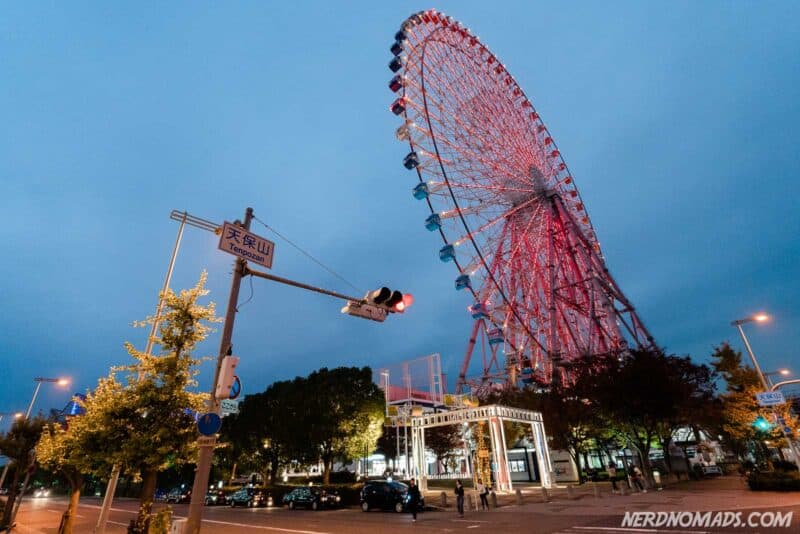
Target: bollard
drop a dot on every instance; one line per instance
(494, 499)
(519, 496)
(545, 495)
(443, 497)
(570, 492)
(596, 489)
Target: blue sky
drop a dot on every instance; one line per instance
(677, 119)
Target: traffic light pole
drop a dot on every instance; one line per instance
(206, 445)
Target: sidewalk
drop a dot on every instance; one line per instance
(724, 493)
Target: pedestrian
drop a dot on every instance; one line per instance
(460, 498)
(637, 479)
(612, 476)
(413, 498)
(483, 492)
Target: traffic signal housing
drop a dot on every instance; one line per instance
(391, 301)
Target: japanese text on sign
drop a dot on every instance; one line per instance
(239, 242)
(770, 398)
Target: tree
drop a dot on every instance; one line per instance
(569, 407)
(444, 441)
(59, 450)
(159, 418)
(739, 407)
(342, 413)
(647, 393)
(146, 424)
(266, 435)
(388, 444)
(18, 446)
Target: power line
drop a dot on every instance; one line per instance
(306, 254)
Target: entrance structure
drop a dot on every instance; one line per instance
(495, 415)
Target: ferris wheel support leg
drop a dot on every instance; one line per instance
(462, 376)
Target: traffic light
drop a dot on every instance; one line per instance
(227, 377)
(391, 301)
(762, 424)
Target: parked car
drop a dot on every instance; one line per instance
(249, 497)
(214, 497)
(386, 495)
(179, 495)
(160, 496)
(313, 498)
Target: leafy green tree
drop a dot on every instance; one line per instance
(18, 446)
(445, 442)
(342, 413)
(266, 435)
(159, 420)
(739, 407)
(646, 393)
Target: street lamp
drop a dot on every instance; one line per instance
(16, 415)
(39, 380)
(759, 317)
(782, 372)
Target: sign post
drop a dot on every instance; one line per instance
(230, 234)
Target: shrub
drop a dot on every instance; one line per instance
(774, 481)
(783, 465)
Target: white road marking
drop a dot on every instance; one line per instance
(276, 529)
(116, 523)
(468, 521)
(473, 526)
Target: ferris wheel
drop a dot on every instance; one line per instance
(506, 206)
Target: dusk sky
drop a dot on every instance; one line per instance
(677, 119)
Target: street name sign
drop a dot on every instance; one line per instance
(250, 247)
(206, 441)
(770, 398)
(229, 406)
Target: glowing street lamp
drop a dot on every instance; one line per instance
(759, 317)
(39, 380)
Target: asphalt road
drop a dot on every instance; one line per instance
(43, 516)
(584, 515)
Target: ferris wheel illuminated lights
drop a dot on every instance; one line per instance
(504, 202)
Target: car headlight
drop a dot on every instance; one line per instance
(338, 498)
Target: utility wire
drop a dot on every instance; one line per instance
(306, 254)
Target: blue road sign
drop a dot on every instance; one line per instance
(209, 424)
(787, 430)
(236, 388)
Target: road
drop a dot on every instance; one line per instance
(43, 516)
(580, 513)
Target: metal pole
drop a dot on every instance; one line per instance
(752, 357)
(111, 487)
(33, 399)
(207, 447)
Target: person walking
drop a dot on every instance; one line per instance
(637, 479)
(612, 476)
(483, 492)
(413, 498)
(460, 498)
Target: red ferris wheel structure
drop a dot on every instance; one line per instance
(506, 206)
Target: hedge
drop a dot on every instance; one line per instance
(774, 481)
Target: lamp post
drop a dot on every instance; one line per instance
(16, 415)
(760, 317)
(39, 380)
(782, 372)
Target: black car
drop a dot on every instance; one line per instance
(215, 497)
(314, 498)
(249, 497)
(179, 495)
(386, 495)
